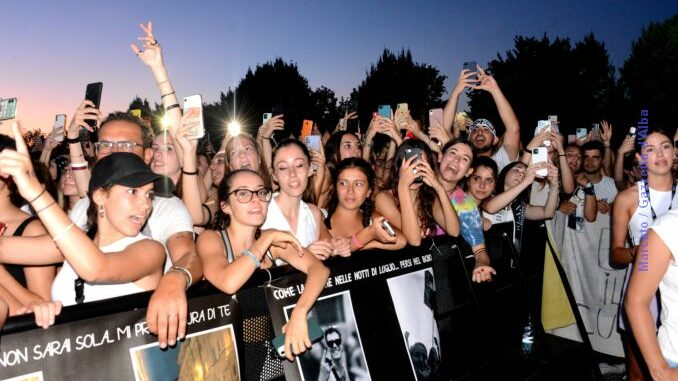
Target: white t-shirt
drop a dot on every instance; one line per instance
(63, 287)
(665, 227)
(168, 217)
(501, 158)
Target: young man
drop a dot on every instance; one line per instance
(635, 209)
(585, 255)
(482, 133)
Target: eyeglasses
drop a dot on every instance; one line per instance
(79, 286)
(478, 179)
(334, 343)
(245, 195)
(107, 147)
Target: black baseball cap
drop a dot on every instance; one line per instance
(127, 169)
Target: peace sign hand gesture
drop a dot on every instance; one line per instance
(18, 165)
(152, 54)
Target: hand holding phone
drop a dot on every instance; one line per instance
(93, 94)
(59, 124)
(8, 108)
(195, 102)
(472, 67)
(313, 142)
(540, 155)
(388, 228)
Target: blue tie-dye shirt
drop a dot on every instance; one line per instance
(469, 217)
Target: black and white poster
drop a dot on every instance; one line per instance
(413, 298)
(339, 355)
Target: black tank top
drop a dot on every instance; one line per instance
(17, 271)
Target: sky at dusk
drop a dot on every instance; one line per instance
(52, 49)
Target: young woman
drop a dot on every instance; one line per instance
(634, 210)
(234, 251)
(416, 203)
(351, 210)
(119, 260)
(341, 145)
(482, 184)
(165, 160)
(655, 267)
(456, 164)
(25, 284)
(512, 200)
(291, 209)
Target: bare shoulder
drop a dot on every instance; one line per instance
(147, 246)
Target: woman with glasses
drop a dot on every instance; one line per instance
(237, 247)
(351, 210)
(292, 208)
(118, 259)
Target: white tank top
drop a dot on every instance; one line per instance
(63, 288)
(642, 216)
(307, 230)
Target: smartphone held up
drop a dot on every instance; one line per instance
(195, 102)
(93, 94)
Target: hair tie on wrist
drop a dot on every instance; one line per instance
(171, 106)
(167, 95)
(189, 173)
(38, 196)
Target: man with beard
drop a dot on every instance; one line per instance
(482, 133)
(585, 255)
(333, 363)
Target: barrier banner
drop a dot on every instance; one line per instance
(377, 317)
(119, 347)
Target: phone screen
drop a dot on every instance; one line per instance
(472, 67)
(313, 142)
(385, 111)
(195, 102)
(7, 109)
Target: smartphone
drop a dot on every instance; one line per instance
(267, 116)
(388, 228)
(385, 111)
(435, 117)
(414, 152)
(595, 128)
(539, 155)
(472, 67)
(581, 133)
(93, 93)
(315, 333)
(195, 102)
(59, 124)
(402, 109)
(632, 132)
(278, 135)
(541, 126)
(353, 125)
(306, 129)
(8, 108)
(313, 142)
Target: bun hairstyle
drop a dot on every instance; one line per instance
(367, 206)
(308, 195)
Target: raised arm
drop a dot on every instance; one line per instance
(564, 169)
(443, 211)
(625, 148)
(534, 212)
(81, 174)
(191, 185)
(409, 220)
(606, 137)
(464, 81)
(498, 202)
(620, 254)
(512, 135)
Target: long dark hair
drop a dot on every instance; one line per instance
(308, 195)
(367, 206)
(501, 188)
(221, 219)
(332, 151)
(425, 194)
(487, 162)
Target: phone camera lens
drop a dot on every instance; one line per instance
(535, 151)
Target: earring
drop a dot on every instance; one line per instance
(101, 211)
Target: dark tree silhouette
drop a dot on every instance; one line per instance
(541, 77)
(398, 79)
(649, 76)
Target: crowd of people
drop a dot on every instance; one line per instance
(134, 211)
